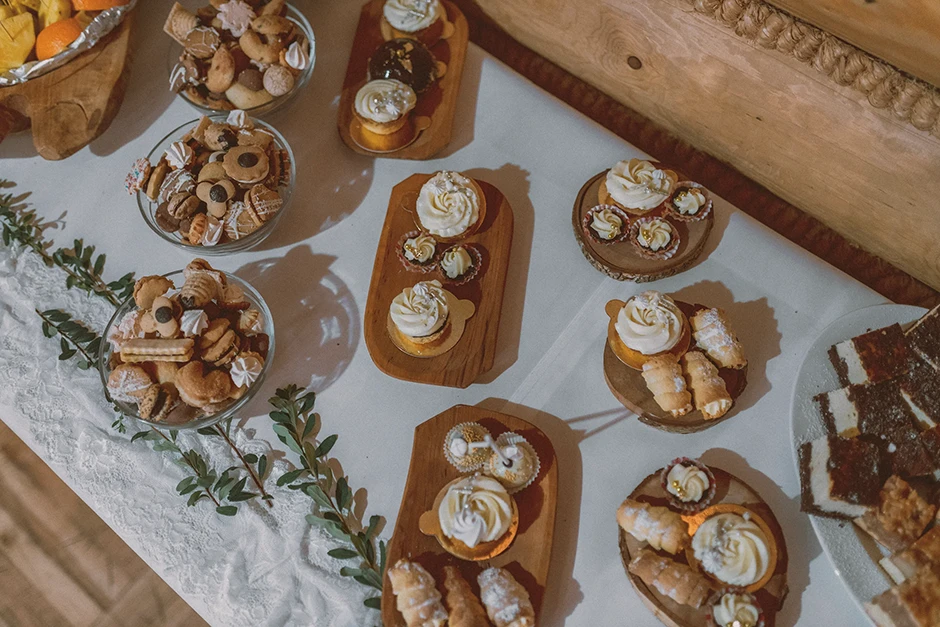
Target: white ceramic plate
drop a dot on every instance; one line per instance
(853, 554)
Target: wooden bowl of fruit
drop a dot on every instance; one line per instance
(37, 39)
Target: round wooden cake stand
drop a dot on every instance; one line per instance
(621, 261)
(628, 386)
(731, 490)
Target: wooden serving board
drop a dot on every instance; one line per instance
(628, 386)
(729, 489)
(621, 261)
(438, 103)
(475, 353)
(528, 557)
(71, 106)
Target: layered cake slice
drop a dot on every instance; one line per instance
(875, 356)
(924, 337)
(840, 477)
(920, 388)
(914, 603)
(924, 552)
(900, 517)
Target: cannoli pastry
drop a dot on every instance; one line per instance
(465, 608)
(672, 579)
(416, 596)
(713, 335)
(660, 527)
(664, 378)
(708, 389)
(506, 600)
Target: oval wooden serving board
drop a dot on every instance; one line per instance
(437, 104)
(475, 353)
(528, 557)
(729, 489)
(621, 261)
(628, 386)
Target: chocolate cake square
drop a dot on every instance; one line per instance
(840, 477)
(875, 356)
(921, 389)
(924, 337)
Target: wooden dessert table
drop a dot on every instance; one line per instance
(270, 568)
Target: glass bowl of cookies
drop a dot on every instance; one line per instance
(216, 185)
(233, 55)
(188, 350)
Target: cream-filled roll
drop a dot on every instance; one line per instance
(638, 184)
(733, 548)
(448, 204)
(475, 510)
(420, 311)
(385, 100)
(649, 323)
(410, 16)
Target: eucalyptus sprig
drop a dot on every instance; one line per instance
(75, 337)
(247, 459)
(297, 427)
(21, 225)
(84, 270)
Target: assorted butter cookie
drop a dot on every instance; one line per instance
(221, 181)
(180, 354)
(237, 54)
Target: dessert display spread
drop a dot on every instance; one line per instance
(685, 358)
(240, 54)
(639, 221)
(177, 355)
(220, 185)
(702, 548)
(878, 463)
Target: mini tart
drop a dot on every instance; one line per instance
(663, 253)
(521, 471)
(588, 229)
(461, 457)
(476, 261)
(716, 600)
(682, 187)
(689, 507)
(414, 264)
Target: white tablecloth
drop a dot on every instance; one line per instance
(269, 568)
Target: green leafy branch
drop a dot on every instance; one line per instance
(247, 459)
(75, 337)
(296, 426)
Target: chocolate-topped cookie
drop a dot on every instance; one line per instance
(404, 60)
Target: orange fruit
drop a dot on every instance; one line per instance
(56, 37)
(96, 5)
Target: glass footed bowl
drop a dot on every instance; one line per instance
(148, 208)
(295, 16)
(196, 420)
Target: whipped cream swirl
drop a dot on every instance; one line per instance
(638, 184)
(239, 119)
(475, 510)
(421, 310)
(245, 370)
(736, 610)
(385, 100)
(733, 548)
(456, 262)
(297, 56)
(650, 323)
(607, 224)
(213, 232)
(420, 248)
(410, 16)
(194, 322)
(689, 201)
(654, 234)
(448, 204)
(179, 155)
(687, 483)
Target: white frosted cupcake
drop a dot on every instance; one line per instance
(735, 608)
(476, 512)
(689, 202)
(418, 251)
(689, 484)
(450, 205)
(419, 19)
(733, 549)
(606, 224)
(654, 238)
(637, 186)
(420, 313)
(383, 106)
(460, 264)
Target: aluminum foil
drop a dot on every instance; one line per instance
(104, 23)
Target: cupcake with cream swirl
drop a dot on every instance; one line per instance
(475, 514)
(689, 202)
(734, 608)
(459, 264)
(733, 549)
(420, 313)
(417, 251)
(423, 20)
(637, 186)
(606, 224)
(450, 205)
(689, 484)
(383, 106)
(650, 323)
(654, 238)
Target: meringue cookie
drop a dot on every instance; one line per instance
(194, 322)
(236, 16)
(297, 57)
(245, 370)
(179, 155)
(239, 119)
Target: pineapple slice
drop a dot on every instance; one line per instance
(52, 11)
(17, 38)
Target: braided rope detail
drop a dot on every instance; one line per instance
(886, 87)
